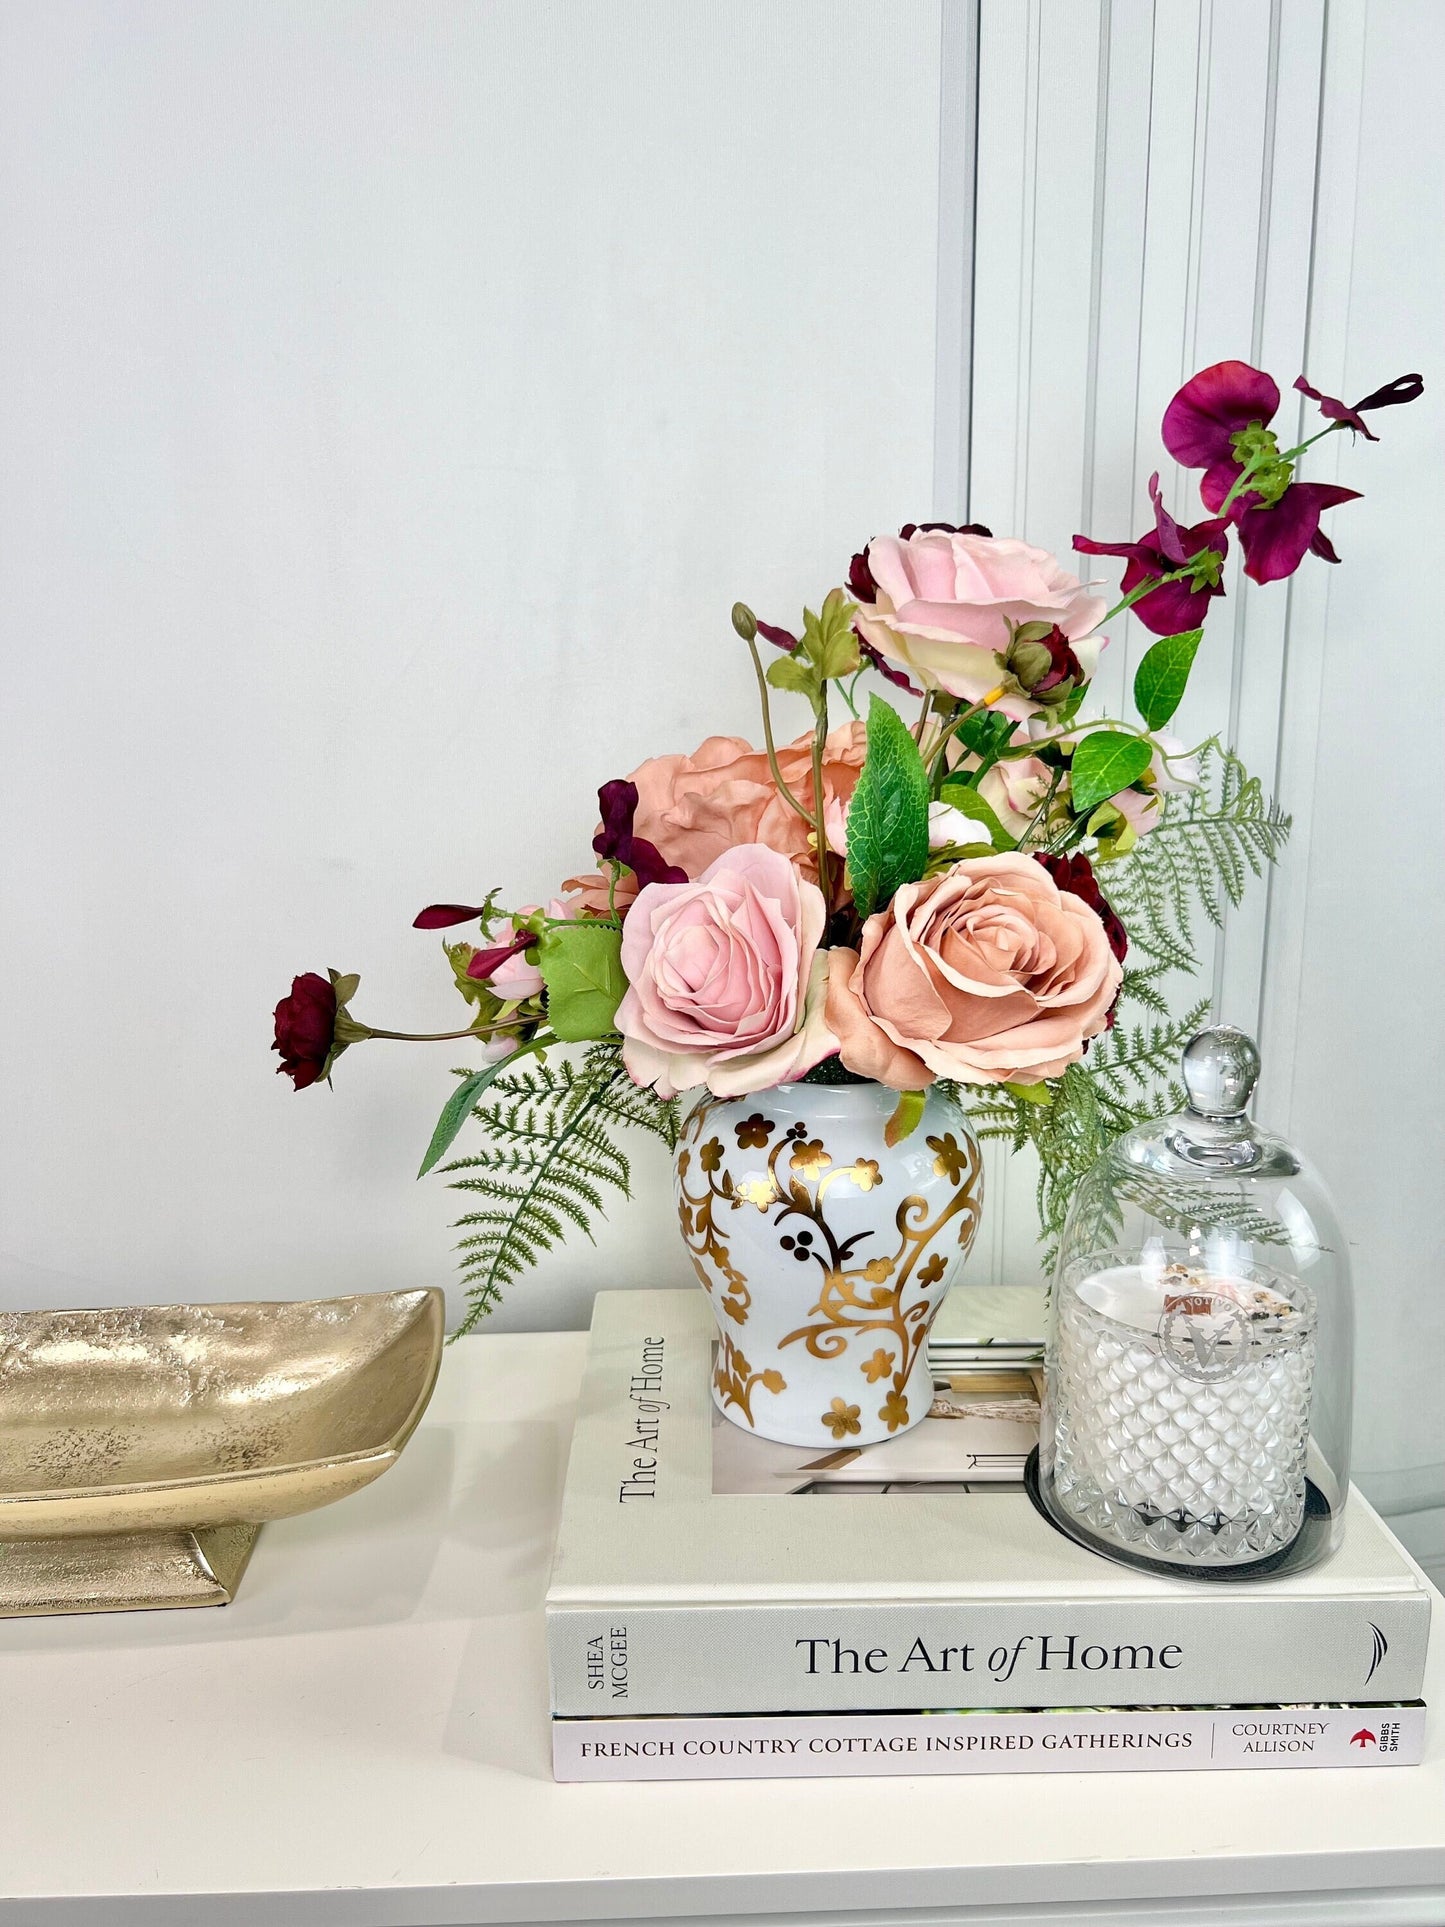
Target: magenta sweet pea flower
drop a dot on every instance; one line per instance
(1402, 389)
(615, 842)
(1175, 606)
(1219, 421)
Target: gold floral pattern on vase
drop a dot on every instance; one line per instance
(734, 1379)
(829, 1247)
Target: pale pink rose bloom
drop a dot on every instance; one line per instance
(1015, 790)
(726, 983)
(945, 603)
(987, 973)
(694, 808)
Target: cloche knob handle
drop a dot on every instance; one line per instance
(1221, 1066)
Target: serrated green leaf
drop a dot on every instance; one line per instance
(1160, 679)
(1105, 762)
(581, 965)
(960, 795)
(828, 640)
(888, 817)
(906, 1118)
(788, 672)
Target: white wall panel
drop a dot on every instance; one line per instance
(394, 398)
(1357, 926)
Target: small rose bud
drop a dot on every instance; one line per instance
(744, 621)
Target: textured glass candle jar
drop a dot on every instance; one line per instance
(1200, 1347)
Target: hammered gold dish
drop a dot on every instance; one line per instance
(141, 1449)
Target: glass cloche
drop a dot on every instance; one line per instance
(1200, 1352)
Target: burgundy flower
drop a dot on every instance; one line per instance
(1044, 664)
(306, 1029)
(1175, 606)
(881, 663)
(1219, 420)
(484, 962)
(441, 916)
(616, 843)
(1076, 875)
(779, 638)
(1402, 389)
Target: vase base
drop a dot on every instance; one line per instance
(851, 1431)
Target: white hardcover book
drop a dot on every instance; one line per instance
(668, 1597)
(1057, 1740)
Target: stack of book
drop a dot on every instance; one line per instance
(702, 1622)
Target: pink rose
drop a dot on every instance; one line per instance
(694, 808)
(988, 973)
(945, 601)
(726, 983)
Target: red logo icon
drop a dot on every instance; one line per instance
(1363, 1738)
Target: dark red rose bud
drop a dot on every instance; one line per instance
(861, 585)
(441, 916)
(306, 1029)
(779, 638)
(485, 962)
(1076, 875)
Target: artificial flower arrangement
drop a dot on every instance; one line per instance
(968, 903)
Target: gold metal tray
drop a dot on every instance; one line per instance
(141, 1449)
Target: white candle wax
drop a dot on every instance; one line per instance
(1183, 1408)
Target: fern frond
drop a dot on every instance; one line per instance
(549, 1159)
(1212, 839)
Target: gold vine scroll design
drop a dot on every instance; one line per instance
(872, 1296)
(697, 1216)
(735, 1378)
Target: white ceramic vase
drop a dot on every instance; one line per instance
(825, 1253)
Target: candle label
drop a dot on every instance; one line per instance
(1205, 1336)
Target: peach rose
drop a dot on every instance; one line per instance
(944, 602)
(726, 983)
(988, 973)
(693, 808)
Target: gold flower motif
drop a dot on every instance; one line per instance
(736, 1310)
(866, 1174)
(893, 1411)
(762, 1192)
(740, 1365)
(950, 1161)
(772, 1381)
(754, 1132)
(841, 1419)
(876, 1367)
(878, 1271)
(710, 1156)
(810, 1160)
(933, 1270)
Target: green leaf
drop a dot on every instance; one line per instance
(888, 817)
(581, 965)
(1031, 1093)
(828, 640)
(789, 673)
(1160, 679)
(1105, 762)
(961, 795)
(458, 1107)
(906, 1118)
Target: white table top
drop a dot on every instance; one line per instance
(362, 1739)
